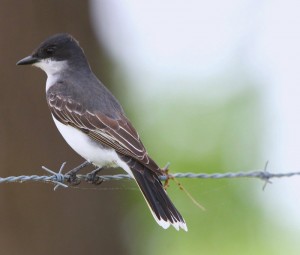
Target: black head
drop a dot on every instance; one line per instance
(58, 47)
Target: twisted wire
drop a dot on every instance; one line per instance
(59, 178)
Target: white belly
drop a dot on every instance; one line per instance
(89, 149)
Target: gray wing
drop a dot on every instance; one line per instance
(118, 134)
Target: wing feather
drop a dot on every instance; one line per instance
(115, 133)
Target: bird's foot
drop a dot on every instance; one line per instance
(72, 174)
(93, 178)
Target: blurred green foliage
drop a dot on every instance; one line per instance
(197, 134)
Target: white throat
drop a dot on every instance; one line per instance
(53, 69)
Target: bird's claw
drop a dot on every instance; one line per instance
(93, 178)
(73, 179)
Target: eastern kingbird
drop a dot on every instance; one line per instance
(93, 122)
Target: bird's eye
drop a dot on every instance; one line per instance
(49, 51)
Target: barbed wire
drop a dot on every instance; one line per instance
(61, 179)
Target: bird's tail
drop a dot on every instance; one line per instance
(161, 207)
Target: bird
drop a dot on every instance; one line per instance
(94, 124)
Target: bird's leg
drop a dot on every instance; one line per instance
(72, 174)
(93, 178)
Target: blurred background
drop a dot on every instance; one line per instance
(211, 86)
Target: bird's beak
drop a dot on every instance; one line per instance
(27, 61)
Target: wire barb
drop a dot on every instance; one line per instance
(266, 177)
(58, 178)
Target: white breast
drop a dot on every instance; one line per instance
(89, 149)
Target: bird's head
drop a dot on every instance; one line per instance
(55, 53)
